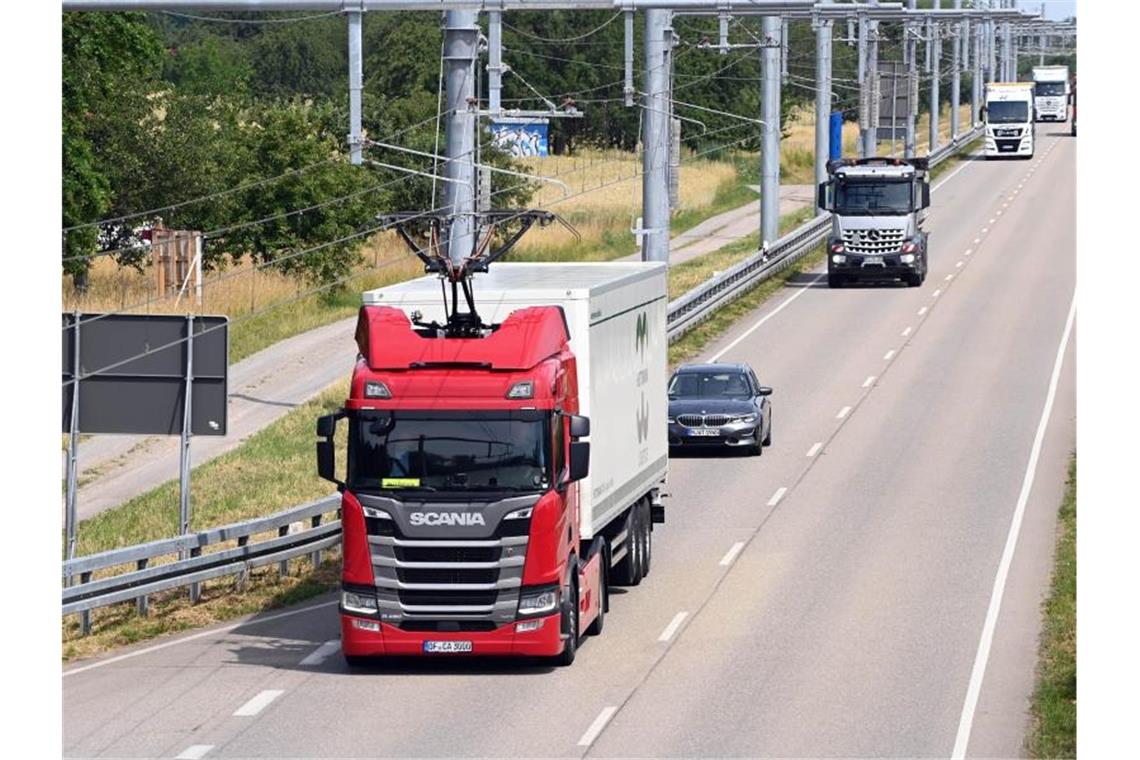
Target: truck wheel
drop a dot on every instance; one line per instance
(603, 592)
(355, 661)
(569, 621)
(835, 280)
(647, 553)
(628, 571)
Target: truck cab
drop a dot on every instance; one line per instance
(1051, 93)
(1009, 118)
(877, 208)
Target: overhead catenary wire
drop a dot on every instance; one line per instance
(252, 21)
(564, 40)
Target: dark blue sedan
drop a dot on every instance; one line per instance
(719, 405)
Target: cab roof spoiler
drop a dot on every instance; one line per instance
(920, 164)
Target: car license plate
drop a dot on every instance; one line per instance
(872, 259)
(446, 647)
(707, 432)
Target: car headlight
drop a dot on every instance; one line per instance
(539, 601)
(362, 603)
(745, 418)
(671, 419)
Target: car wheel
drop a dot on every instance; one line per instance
(768, 438)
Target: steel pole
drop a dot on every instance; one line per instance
(460, 47)
(770, 27)
(628, 89)
(71, 517)
(956, 76)
(822, 98)
(655, 139)
(911, 52)
(934, 45)
(355, 84)
(494, 61)
(871, 134)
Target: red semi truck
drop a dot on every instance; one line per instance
(476, 520)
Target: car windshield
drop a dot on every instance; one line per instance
(709, 385)
(1007, 112)
(449, 451)
(855, 197)
(1051, 89)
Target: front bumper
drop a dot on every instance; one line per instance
(1015, 146)
(856, 266)
(739, 434)
(504, 641)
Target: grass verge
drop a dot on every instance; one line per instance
(1054, 706)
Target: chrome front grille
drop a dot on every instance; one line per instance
(873, 241)
(703, 420)
(691, 420)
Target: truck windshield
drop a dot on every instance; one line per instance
(1050, 89)
(1007, 112)
(449, 451)
(872, 197)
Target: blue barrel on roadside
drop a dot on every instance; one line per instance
(836, 134)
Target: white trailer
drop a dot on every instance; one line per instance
(1010, 129)
(616, 316)
(1051, 97)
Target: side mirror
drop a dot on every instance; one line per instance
(579, 461)
(326, 451)
(326, 426)
(926, 195)
(579, 426)
(821, 196)
(765, 390)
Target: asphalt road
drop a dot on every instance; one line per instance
(830, 598)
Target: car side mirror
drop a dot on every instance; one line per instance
(765, 390)
(579, 426)
(579, 461)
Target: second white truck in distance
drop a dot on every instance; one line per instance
(1051, 93)
(1010, 129)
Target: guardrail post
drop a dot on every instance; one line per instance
(141, 602)
(195, 588)
(315, 557)
(283, 566)
(85, 616)
(243, 575)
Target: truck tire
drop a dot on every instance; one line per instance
(569, 623)
(647, 554)
(835, 280)
(355, 661)
(627, 572)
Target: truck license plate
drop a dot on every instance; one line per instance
(872, 259)
(704, 432)
(446, 647)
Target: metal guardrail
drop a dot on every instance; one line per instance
(193, 567)
(700, 303)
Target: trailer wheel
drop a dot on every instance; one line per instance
(647, 525)
(569, 623)
(628, 571)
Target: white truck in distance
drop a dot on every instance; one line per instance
(1008, 113)
(1051, 98)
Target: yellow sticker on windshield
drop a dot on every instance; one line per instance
(400, 483)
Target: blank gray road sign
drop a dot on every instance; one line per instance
(894, 100)
(146, 394)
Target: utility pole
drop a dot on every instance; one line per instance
(869, 47)
(910, 54)
(934, 45)
(655, 137)
(460, 48)
(956, 75)
(495, 61)
(770, 28)
(355, 83)
(976, 88)
(822, 96)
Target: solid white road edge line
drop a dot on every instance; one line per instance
(978, 673)
(322, 653)
(764, 319)
(195, 752)
(730, 555)
(597, 726)
(777, 496)
(194, 637)
(843, 412)
(815, 447)
(674, 624)
(258, 703)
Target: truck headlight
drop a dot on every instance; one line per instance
(364, 604)
(907, 258)
(539, 601)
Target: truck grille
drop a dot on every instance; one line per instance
(873, 241)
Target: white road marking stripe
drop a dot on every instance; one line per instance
(195, 752)
(777, 496)
(985, 230)
(597, 726)
(889, 355)
(906, 332)
(973, 691)
(922, 311)
(674, 624)
(843, 412)
(977, 240)
(950, 277)
(999, 212)
(959, 264)
(730, 556)
(936, 293)
(322, 653)
(815, 447)
(258, 703)
(201, 635)
(992, 221)
(870, 379)
(764, 319)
